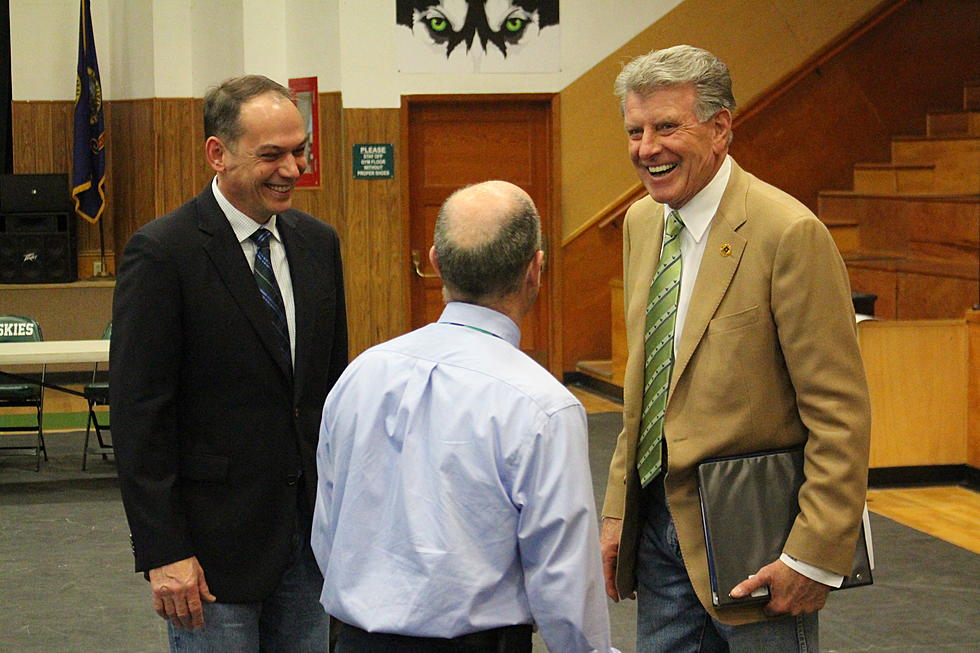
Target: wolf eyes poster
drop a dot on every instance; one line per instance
(477, 36)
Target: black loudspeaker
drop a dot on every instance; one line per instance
(34, 194)
(37, 230)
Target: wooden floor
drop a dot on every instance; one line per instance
(951, 513)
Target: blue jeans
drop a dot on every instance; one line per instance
(671, 619)
(291, 620)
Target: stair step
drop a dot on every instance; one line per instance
(844, 230)
(927, 226)
(956, 158)
(601, 369)
(892, 178)
(953, 123)
(891, 262)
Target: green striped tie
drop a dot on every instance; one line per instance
(658, 346)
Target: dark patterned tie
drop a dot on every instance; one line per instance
(266, 280)
(659, 351)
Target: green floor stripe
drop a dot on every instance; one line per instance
(52, 420)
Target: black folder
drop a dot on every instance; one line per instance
(749, 504)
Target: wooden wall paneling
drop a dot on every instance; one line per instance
(42, 136)
(203, 173)
(917, 376)
(973, 388)
(326, 202)
(770, 144)
(883, 283)
(178, 154)
(25, 147)
(132, 172)
(376, 270)
(926, 297)
(946, 228)
(554, 252)
(589, 261)
(619, 348)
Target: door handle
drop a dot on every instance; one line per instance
(417, 264)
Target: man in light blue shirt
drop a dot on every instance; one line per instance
(455, 504)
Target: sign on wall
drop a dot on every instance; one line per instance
(373, 161)
(477, 36)
(305, 90)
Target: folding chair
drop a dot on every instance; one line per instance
(97, 394)
(14, 328)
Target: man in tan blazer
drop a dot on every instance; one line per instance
(764, 356)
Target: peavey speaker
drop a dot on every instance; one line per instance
(37, 230)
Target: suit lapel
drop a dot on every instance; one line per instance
(722, 254)
(225, 253)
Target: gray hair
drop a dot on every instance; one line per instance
(681, 64)
(223, 105)
(495, 268)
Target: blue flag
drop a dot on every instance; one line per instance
(88, 150)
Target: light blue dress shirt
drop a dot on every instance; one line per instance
(454, 490)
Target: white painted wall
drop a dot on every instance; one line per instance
(44, 48)
(178, 48)
(218, 48)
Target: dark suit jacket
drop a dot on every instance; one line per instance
(768, 360)
(215, 438)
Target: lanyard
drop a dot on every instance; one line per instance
(473, 327)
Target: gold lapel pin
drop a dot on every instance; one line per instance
(726, 250)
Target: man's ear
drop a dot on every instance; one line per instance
(214, 152)
(534, 269)
(434, 261)
(722, 123)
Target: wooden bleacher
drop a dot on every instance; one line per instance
(909, 231)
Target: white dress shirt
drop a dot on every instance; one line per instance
(244, 227)
(697, 215)
(454, 490)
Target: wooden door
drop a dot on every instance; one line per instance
(459, 140)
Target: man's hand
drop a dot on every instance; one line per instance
(612, 529)
(790, 592)
(178, 589)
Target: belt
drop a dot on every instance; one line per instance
(505, 638)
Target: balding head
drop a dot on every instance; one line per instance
(486, 236)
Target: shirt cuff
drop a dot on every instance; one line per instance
(811, 572)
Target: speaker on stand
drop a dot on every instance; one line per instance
(37, 230)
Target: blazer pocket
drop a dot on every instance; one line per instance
(203, 467)
(734, 321)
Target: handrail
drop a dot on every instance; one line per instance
(609, 213)
(617, 208)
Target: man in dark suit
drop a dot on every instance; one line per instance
(225, 343)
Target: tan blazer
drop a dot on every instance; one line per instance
(768, 359)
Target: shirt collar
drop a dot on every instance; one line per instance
(482, 318)
(701, 208)
(241, 224)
